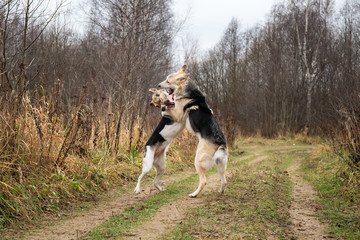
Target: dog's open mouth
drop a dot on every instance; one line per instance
(169, 104)
(170, 91)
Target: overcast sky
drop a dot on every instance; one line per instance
(206, 20)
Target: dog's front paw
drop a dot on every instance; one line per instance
(192, 195)
(194, 108)
(137, 190)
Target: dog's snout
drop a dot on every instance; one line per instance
(159, 86)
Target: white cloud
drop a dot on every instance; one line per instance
(208, 20)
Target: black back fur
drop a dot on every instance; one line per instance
(202, 121)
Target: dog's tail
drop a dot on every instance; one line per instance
(221, 155)
(221, 159)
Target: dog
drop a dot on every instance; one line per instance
(171, 124)
(212, 148)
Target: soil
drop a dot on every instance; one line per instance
(77, 226)
(168, 216)
(303, 208)
(304, 224)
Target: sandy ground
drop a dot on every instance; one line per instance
(303, 208)
(304, 224)
(168, 216)
(77, 226)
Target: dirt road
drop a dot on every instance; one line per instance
(151, 215)
(305, 225)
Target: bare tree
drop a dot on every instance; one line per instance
(137, 35)
(22, 24)
(309, 42)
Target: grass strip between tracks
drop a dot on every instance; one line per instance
(254, 206)
(133, 216)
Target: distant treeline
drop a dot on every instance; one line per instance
(74, 109)
(292, 74)
(104, 74)
(296, 73)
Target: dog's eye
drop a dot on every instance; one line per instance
(157, 95)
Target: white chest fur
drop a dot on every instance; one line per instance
(171, 131)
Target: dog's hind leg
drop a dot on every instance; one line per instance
(221, 159)
(202, 183)
(202, 177)
(147, 164)
(159, 165)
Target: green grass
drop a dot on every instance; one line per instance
(339, 199)
(254, 206)
(45, 192)
(131, 217)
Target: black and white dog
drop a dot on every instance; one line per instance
(212, 149)
(171, 124)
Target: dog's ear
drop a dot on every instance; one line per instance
(153, 90)
(181, 79)
(183, 68)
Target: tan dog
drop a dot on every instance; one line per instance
(165, 101)
(171, 124)
(212, 149)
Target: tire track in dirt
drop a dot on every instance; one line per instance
(304, 223)
(168, 216)
(79, 225)
(257, 160)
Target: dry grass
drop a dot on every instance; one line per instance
(49, 162)
(254, 205)
(349, 143)
(345, 143)
(338, 187)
